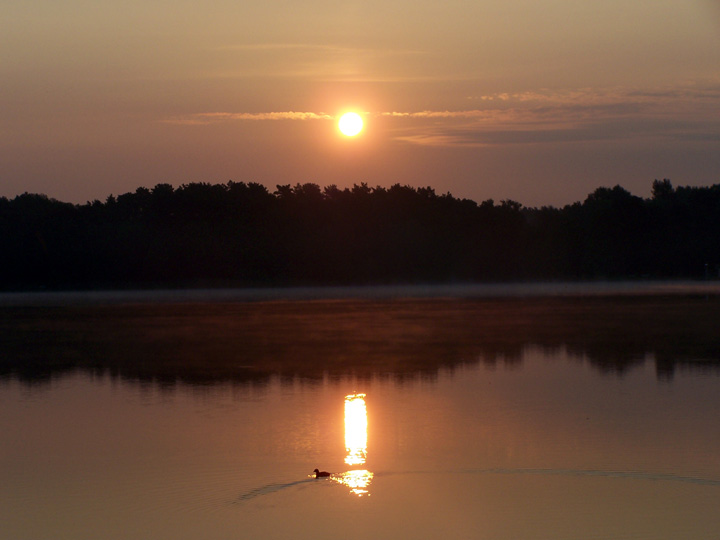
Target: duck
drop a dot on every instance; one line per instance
(320, 474)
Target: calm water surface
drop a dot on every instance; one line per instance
(545, 437)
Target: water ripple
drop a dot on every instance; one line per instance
(271, 488)
(635, 475)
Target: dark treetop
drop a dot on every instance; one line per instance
(239, 234)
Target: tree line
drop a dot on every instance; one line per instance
(242, 234)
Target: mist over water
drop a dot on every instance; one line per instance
(457, 291)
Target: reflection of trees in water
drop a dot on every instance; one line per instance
(250, 343)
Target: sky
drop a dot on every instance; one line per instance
(540, 102)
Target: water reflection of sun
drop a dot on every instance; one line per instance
(355, 429)
(356, 426)
(357, 480)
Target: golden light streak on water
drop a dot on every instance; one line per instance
(355, 429)
(357, 480)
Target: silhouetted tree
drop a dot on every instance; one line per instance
(241, 234)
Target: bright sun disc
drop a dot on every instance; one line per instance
(350, 124)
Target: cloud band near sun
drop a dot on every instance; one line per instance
(215, 117)
(534, 117)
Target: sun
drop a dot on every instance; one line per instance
(350, 124)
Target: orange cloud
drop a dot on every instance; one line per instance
(538, 117)
(214, 117)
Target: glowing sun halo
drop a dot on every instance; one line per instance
(350, 124)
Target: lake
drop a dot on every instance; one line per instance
(547, 412)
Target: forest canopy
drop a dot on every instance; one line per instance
(241, 234)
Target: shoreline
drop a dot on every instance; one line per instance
(369, 292)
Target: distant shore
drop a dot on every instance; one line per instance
(380, 292)
(241, 235)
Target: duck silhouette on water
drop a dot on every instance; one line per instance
(321, 474)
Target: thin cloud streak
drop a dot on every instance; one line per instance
(314, 47)
(437, 114)
(315, 62)
(535, 117)
(215, 117)
(681, 114)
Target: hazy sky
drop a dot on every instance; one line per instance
(537, 101)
